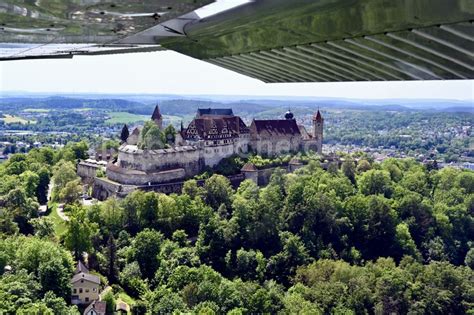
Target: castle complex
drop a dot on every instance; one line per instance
(214, 134)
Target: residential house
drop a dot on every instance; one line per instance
(85, 286)
(96, 308)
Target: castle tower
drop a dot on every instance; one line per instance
(318, 123)
(157, 117)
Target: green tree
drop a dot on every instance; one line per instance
(363, 166)
(380, 232)
(170, 134)
(63, 173)
(30, 182)
(164, 301)
(191, 188)
(218, 191)
(49, 262)
(146, 246)
(469, 260)
(349, 169)
(79, 149)
(152, 138)
(405, 241)
(110, 302)
(112, 216)
(111, 255)
(375, 182)
(71, 192)
(293, 254)
(21, 207)
(124, 133)
(78, 236)
(43, 227)
(43, 185)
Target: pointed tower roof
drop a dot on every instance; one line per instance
(81, 268)
(156, 113)
(318, 117)
(249, 167)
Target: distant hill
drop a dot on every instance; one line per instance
(188, 104)
(189, 107)
(17, 103)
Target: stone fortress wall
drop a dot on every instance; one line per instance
(132, 177)
(152, 161)
(143, 167)
(277, 145)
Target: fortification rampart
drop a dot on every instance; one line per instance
(187, 158)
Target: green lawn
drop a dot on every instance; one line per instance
(10, 119)
(59, 224)
(126, 298)
(128, 118)
(125, 118)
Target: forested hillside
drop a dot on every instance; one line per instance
(395, 237)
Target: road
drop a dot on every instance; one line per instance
(60, 211)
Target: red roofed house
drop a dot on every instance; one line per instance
(96, 308)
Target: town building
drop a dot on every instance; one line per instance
(84, 286)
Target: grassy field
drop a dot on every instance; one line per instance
(125, 118)
(174, 120)
(36, 110)
(10, 119)
(59, 224)
(84, 109)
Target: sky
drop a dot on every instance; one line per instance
(168, 72)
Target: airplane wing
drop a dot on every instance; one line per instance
(270, 40)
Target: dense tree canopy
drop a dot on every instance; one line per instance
(391, 237)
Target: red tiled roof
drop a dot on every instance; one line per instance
(249, 167)
(215, 128)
